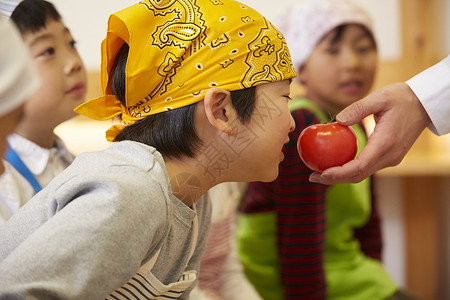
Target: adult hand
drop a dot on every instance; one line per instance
(400, 118)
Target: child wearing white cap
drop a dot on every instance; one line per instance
(18, 79)
(320, 241)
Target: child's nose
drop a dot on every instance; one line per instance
(73, 64)
(351, 59)
(292, 124)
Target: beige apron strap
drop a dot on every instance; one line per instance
(194, 235)
(151, 262)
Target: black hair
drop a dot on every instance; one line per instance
(172, 133)
(30, 16)
(339, 31)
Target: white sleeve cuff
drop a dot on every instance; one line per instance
(432, 87)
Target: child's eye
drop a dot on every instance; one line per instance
(364, 49)
(288, 98)
(332, 50)
(73, 44)
(48, 52)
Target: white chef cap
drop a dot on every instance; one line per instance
(306, 23)
(18, 76)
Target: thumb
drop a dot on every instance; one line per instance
(357, 111)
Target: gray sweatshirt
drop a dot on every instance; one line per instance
(94, 225)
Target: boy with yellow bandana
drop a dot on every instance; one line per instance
(202, 88)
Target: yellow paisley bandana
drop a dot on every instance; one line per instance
(178, 49)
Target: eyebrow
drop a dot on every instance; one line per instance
(46, 36)
(42, 37)
(363, 35)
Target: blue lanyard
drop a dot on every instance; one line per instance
(20, 166)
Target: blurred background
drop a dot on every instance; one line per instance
(414, 196)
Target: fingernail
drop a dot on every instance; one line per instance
(343, 116)
(314, 177)
(328, 175)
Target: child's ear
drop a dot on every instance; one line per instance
(219, 109)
